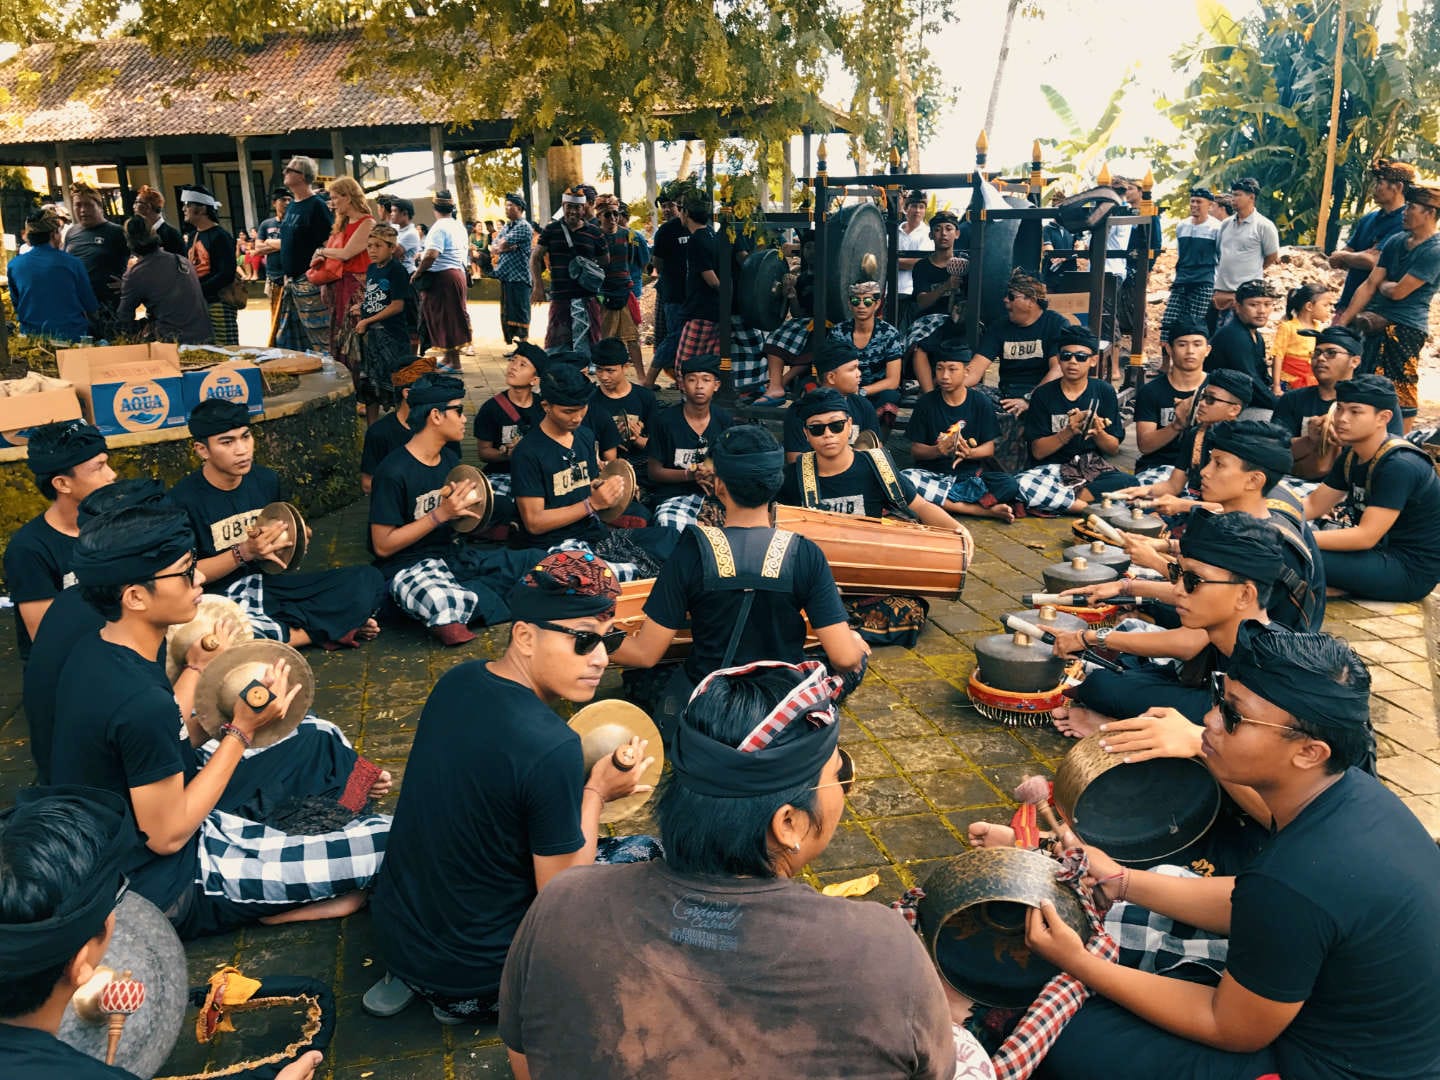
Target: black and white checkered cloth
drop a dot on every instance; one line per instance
(430, 592)
(747, 357)
(499, 483)
(679, 511)
(624, 571)
(203, 753)
(938, 488)
(1186, 303)
(790, 340)
(1152, 942)
(1156, 474)
(251, 863)
(1301, 488)
(1042, 489)
(922, 328)
(249, 593)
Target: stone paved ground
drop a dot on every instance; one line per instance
(927, 766)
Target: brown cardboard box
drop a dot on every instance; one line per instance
(127, 388)
(31, 410)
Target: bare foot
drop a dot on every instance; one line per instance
(1002, 511)
(986, 834)
(337, 907)
(1076, 720)
(382, 785)
(298, 638)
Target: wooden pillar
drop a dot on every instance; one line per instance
(437, 156)
(787, 175)
(652, 185)
(337, 153)
(247, 186)
(197, 169)
(525, 179)
(51, 183)
(156, 169)
(564, 168)
(543, 206)
(122, 178)
(357, 165)
(616, 169)
(62, 158)
(277, 171)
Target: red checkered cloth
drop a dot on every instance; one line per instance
(813, 698)
(698, 337)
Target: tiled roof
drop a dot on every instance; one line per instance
(118, 89)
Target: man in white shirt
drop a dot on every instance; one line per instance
(1248, 242)
(914, 236)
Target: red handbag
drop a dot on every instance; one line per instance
(328, 271)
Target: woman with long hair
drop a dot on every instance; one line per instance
(354, 218)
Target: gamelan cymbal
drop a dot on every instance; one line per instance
(230, 672)
(867, 440)
(483, 502)
(623, 469)
(294, 546)
(212, 611)
(604, 726)
(302, 537)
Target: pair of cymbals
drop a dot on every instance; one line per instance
(482, 501)
(228, 674)
(211, 618)
(623, 469)
(297, 540)
(606, 726)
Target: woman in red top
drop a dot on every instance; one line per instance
(354, 219)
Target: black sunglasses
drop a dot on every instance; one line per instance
(1075, 354)
(835, 427)
(1208, 398)
(1190, 581)
(587, 640)
(845, 777)
(453, 408)
(1230, 716)
(188, 573)
(865, 301)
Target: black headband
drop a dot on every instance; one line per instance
(153, 538)
(1236, 542)
(1374, 390)
(53, 448)
(748, 452)
(704, 363)
(1296, 671)
(818, 402)
(132, 491)
(565, 585)
(1263, 445)
(1233, 382)
(434, 389)
(215, 416)
(565, 386)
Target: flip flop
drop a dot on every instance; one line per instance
(770, 400)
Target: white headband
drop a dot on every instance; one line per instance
(572, 200)
(199, 197)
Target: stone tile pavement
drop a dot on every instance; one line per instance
(927, 766)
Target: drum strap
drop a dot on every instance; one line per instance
(507, 406)
(1297, 588)
(880, 465)
(722, 571)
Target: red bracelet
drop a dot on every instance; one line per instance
(239, 560)
(231, 729)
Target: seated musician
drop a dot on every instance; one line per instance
(879, 347)
(1223, 396)
(1246, 459)
(680, 439)
(837, 366)
(723, 933)
(391, 431)
(1227, 566)
(412, 508)
(1025, 344)
(1164, 405)
(117, 719)
(629, 405)
(1304, 411)
(69, 459)
(66, 853)
(505, 419)
(1333, 964)
(952, 425)
(1388, 491)
(744, 588)
(787, 348)
(223, 498)
(556, 476)
(937, 279)
(1073, 426)
(492, 811)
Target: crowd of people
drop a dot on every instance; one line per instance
(1282, 472)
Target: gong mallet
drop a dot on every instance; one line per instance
(1104, 528)
(1077, 600)
(1014, 622)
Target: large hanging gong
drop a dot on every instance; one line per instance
(999, 255)
(856, 250)
(761, 286)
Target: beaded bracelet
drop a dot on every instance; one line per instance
(231, 729)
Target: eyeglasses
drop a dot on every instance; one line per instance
(1209, 398)
(845, 778)
(1190, 581)
(587, 640)
(1075, 354)
(124, 888)
(864, 301)
(610, 213)
(188, 573)
(460, 409)
(290, 169)
(1331, 354)
(835, 427)
(1229, 715)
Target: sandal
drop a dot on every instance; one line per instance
(770, 400)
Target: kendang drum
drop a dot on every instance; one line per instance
(630, 617)
(885, 555)
(1140, 814)
(972, 920)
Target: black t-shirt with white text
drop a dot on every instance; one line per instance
(675, 445)
(862, 416)
(855, 491)
(1049, 413)
(493, 424)
(405, 489)
(1155, 403)
(1023, 353)
(933, 416)
(1403, 480)
(383, 286)
(636, 409)
(384, 437)
(220, 518)
(671, 240)
(542, 468)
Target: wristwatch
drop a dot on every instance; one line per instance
(1102, 635)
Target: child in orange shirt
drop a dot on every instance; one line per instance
(1308, 307)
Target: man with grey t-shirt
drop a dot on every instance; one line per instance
(1248, 242)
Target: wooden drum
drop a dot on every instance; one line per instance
(885, 555)
(630, 616)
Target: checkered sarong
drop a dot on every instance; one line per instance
(499, 483)
(1043, 489)
(697, 337)
(1301, 488)
(203, 753)
(790, 340)
(430, 592)
(624, 571)
(251, 863)
(249, 592)
(1156, 474)
(1186, 303)
(922, 328)
(679, 511)
(1153, 942)
(940, 488)
(747, 359)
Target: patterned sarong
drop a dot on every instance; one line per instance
(304, 323)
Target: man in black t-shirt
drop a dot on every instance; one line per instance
(667, 255)
(385, 436)
(69, 460)
(1390, 496)
(505, 419)
(629, 405)
(700, 336)
(64, 858)
(497, 802)
(1163, 406)
(680, 441)
(1073, 425)
(1025, 344)
(746, 590)
(837, 366)
(1333, 962)
(937, 279)
(100, 245)
(1238, 343)
(574, 321)
(952, 439)
(122, 727)
(223, 498)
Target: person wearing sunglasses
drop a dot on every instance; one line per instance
(1073, 426)
(1239, 345)
(497, 801)
(837, 366)
(726, 937)
(953, 432)
(1333, 962)
(224, 497)
(879, 346)
(70, 460)
(1025, 345)
(1223, 396)
(1386, 489)
(65, 851)
(1228, 564)
(1304, 411)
